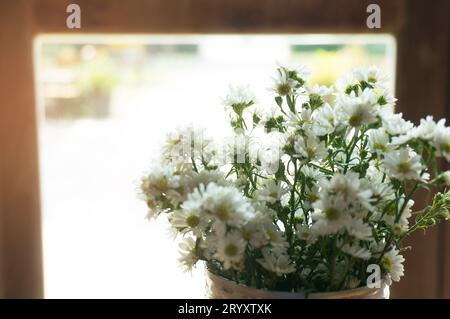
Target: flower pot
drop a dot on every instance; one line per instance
(221, 288)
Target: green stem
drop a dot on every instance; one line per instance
(407, 198)
(353, 143)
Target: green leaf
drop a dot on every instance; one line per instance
(290, 103)
(279, 175)
(279, 100)
(256, 119)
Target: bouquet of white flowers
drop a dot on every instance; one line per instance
(307, 195)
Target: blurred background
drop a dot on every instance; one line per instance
(84, 112)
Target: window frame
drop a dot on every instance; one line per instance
(421, 28)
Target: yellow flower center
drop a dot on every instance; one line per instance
(446, 147)
(310, 151)
(379, 146)
(331, 120)
(404, 167)
(387, 263)
(247, 235)
(305, 235)
(355, 120)
(162, 184)
(223, 213)
(192, 221)
(231, 250)
(274, 194)
(391, 210)
(292, 139)
(151, 203)
(272, 235)
(283, 89)
(312, 197)
(331, 213)
(397, 229)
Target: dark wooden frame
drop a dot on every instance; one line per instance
(421, 27)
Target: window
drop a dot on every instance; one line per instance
(105, 104)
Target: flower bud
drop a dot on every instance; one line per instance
(446, 176)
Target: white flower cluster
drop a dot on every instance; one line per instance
(315, 189)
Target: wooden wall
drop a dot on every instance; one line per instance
(422, 89)
(20, 243)
(421, 27)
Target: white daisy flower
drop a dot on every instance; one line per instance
(270, 160)
(345, 83)
(188, 253)
(274, 235)
(230, 250)
(390, 216)
(354, 250)
(320, 90)
(358, 229)
(208, 246)
(225, 204)
(404, 164)
(161, 180)
(160, 188)
(324, 120)
(183, 144)
(312, 173)
(302, 119)
(311, 148)
(238, 96)
(378, 141)
(268, 149)
(349, 188)
(276, 262)
(406, 213)
(427, 128)
(400, 140)
(394, 123)
(330, 215)
(311, 196)
(378, 183)
(425, 131)
(386, 99)
(154, 208)
(304, 233)
(253, 233)
(271, 191)
(392, 263)
(299, 71)
(446, 177)
(193, 179)
(189, 219)
(294, 119)
(283, 83)
(442, 142)
(399, 229)
(371, 75)
(358, 110)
